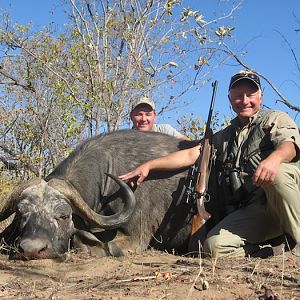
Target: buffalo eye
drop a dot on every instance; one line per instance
(63, 217)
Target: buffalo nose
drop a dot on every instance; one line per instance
(34, 248)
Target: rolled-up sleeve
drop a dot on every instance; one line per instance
(283, 128)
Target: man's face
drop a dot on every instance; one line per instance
(143, 117)
(245, 98)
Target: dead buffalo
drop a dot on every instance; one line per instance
(78, 205)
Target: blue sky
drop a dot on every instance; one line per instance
(256, 23)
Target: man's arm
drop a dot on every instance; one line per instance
(183, 137)
(172, 161)
(268, 169)
(284, 134)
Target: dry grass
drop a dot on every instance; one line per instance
(151, 275)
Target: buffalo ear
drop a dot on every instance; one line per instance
(88, 243)
(87, 238)
(84, 241)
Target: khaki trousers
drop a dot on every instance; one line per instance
(241, 232)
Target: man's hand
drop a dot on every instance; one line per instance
(141, 172)
(268, 169)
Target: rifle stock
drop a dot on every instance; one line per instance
(204, 167)
(202, 215)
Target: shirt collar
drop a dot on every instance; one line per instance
(236, 122)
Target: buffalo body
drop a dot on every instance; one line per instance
(48, 221)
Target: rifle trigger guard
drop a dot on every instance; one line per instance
(206, 197)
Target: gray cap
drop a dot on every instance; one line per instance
(143, 100)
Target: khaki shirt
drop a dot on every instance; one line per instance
(244, 147)
(279, 125)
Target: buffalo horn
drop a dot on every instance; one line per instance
(8, 206)
(81, 207)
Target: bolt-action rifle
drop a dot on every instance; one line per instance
(196, 189)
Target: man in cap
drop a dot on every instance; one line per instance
(143, 117)
(258, 174)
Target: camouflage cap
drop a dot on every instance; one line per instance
(242, 75)
(143, 100)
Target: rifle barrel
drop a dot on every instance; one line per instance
(211, 109)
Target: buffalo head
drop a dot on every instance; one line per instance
(43, 224)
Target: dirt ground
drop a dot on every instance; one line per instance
(151, 275)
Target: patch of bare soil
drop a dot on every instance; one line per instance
(151, 275)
